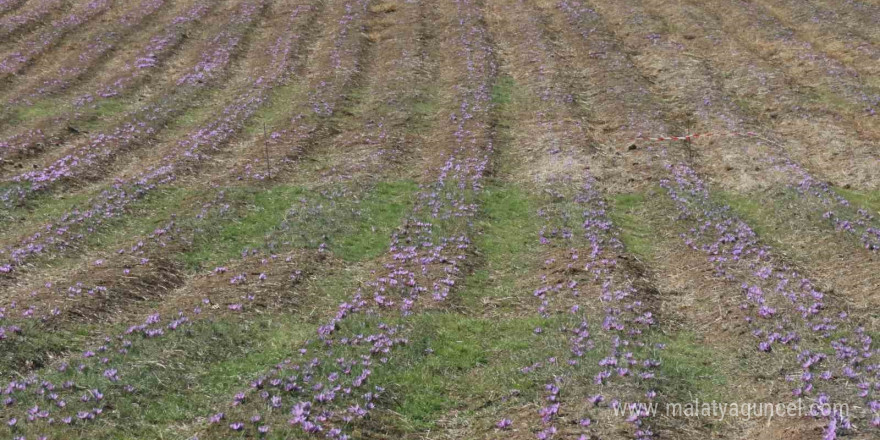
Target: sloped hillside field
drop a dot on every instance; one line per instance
(440, 219)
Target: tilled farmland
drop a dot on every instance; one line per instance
(450, 219)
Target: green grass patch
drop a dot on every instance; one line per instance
(424, 107)
(110, 107)
(193, 109)
(510, 226)
(826, 97)
(278, 110)
(272, 340)
(225, 237)
(869, 200)
(35, 347)
(40, 110)
(41, 209)
(791, 222)
(334, 285)
(104, 113)
(508, 241)
(691, 369)
(754, 209)
(380, 213)
(204, 110)
(144, 216)
(629, 212)
(794, 222)
(471, 361)
(357, 102)
(503, 90)
(354, 224)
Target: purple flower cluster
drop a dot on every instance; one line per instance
(37, 44)
(157, 49)
(222, 47)
(785, 310)
(6, 331)
(343, 61)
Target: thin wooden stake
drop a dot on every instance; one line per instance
(266, 148)
(690, 146)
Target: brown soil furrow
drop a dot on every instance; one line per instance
(70, 23)
(29, 16)
(371, 137)
(617, 99)
(765, 96)
(688, 66)
(829, 33)
(89, 162)
(766, 37)
(80, 56)
(118, 80)
(862, 15)
(693, 85)
(10, 6)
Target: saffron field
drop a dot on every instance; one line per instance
(456, 219)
